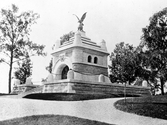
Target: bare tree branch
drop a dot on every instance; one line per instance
(3, 60)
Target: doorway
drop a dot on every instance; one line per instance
(64, 72)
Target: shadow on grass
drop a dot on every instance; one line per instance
(153, 106)
(51, 120)
(4, 94)
(67, 96)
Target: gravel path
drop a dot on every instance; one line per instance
(99, 110)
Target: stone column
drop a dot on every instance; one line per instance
(77, 39)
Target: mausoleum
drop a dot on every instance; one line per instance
(80, 59)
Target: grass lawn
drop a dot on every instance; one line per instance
(152, 106)
(51, 120)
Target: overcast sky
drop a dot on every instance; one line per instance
(112, 20)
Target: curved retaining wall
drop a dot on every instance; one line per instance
(85, 87)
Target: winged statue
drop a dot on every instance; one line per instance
(80, 21)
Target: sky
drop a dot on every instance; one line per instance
(114, 21)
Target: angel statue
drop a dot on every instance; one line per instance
(80, 21)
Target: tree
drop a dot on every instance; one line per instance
(143, 71)
(154, 39)
(130, 63)
(49, 68)
(123, 63)
(24, 70)
(14, 37)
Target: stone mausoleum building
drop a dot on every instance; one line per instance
(80, 66)
(80, 59)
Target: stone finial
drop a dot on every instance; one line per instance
(56, 45)
(103, 45)
(144, 83)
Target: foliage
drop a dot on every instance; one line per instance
(24, 70)
(149, 60)
(155, 40)
(49, 68)
(44, 80)
(129, 64)
(14, 37)
(123, 63)
(66, 37)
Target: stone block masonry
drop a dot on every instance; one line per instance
(92, 69)
(83, 87)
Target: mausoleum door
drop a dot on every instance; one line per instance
(64, 72)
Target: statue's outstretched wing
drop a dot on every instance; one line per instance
(83, 17)
(77, 17)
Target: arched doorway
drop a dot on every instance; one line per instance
(64, 72)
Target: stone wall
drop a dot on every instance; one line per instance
(24, 88)
(117, 91)
(92, 69)
(81, 87)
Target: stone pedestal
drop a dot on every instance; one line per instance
(29, 81)
(101, 78)
(70, 74)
